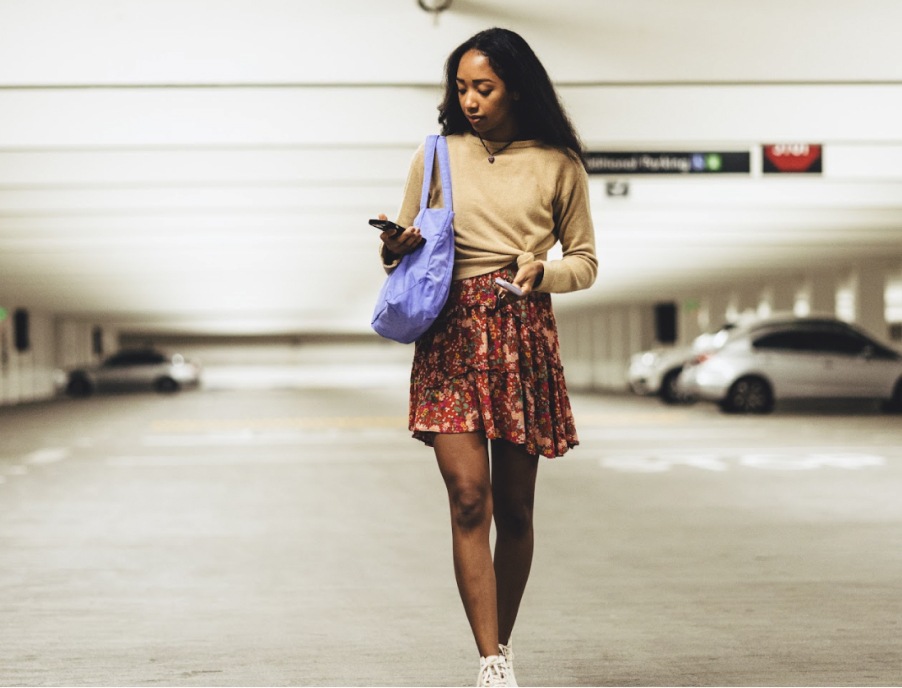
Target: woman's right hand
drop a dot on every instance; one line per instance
(403, 243)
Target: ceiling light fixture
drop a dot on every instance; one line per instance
(434, 6)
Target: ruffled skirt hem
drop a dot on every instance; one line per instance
(481, 367)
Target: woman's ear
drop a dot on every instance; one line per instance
(515, 95)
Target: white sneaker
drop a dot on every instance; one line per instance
(507, 651)
(492, 671)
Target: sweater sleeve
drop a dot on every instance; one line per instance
(410, 203)
(573, 221)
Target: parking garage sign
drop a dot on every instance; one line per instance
(792, 158)
(623, 163)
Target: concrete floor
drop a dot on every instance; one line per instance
(299, 537)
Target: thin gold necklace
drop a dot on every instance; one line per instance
(491, 154)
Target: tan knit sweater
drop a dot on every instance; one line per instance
(512, 210)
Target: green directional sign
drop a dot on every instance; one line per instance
(713, 162)
(3, 314)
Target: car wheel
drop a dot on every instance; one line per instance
(894, 405)
(166, 385)
(670, 393)
(79, 386)
(749, 395)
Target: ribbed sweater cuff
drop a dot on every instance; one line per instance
(549, 277)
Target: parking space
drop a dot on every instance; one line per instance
(299, 537)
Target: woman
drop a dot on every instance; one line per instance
(488, 371)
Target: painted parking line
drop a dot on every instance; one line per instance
(195, 425)
(258, 459)
(251, 438)
(190, 460)
(630, 418)
(14, 470)
(40, 457)
(656, 433)
(45, 456)
(787, 460)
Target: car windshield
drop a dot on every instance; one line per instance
(135, 358)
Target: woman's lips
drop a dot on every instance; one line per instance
(474, 120)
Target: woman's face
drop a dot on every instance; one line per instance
(484, 99)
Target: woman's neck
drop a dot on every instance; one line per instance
(505, 131)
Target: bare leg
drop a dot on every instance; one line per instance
(464, 463)
(513, 491)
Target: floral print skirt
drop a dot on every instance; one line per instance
(481, 367)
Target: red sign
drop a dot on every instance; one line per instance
(793, 157)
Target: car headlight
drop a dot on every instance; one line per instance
(649, 358)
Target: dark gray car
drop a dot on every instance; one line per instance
(135, 370)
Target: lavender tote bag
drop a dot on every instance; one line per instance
(416, 290)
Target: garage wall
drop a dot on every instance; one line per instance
(27, 375)
(596, 343)
(55, 344)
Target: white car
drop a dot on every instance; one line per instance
(135, 369)
(791, 357)
(655, 372)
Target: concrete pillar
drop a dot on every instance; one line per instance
(634, 327)
(846, 291)
(73, 344)
(110, 340)
(778, 297)
(869, 287)
(688, 327)
(26, 370)
(893, 295)
(43, 343)
(602, 338)
(619, 361)
(713, 312)
(742, 301)
(27, 375)
(579, 367)
(600, 347)
(7, 360)
(648, 326)
(14, 374)
(566, 336)
(820, 290)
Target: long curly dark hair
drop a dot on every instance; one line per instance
(539, 112)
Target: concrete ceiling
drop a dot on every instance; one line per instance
(208, 166)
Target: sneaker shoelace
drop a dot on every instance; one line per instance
(492, 672)
(507, 651)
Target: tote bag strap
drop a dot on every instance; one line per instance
(439, 144)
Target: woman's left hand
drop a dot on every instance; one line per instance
(525, 279)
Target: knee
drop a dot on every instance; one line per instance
(469, 507)
(513, 518)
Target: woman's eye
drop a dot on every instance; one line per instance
(484, 93)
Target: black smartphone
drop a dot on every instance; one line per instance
(387, 226)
